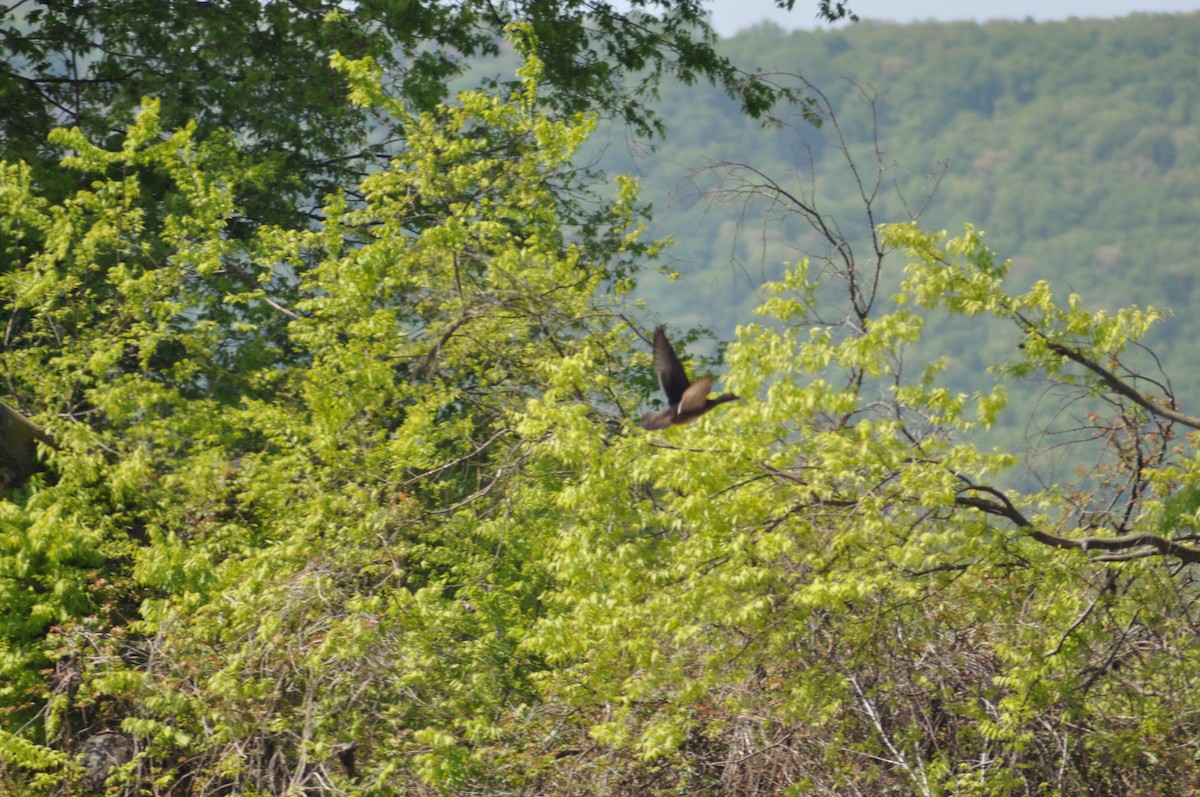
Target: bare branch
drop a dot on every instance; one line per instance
(1112, 381)
(1134, 546)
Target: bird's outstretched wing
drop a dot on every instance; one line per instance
(670, 371)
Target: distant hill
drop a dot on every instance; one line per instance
(1074, 144)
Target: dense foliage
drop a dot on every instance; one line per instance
(260, 71)
(360, 506)
(209, 439)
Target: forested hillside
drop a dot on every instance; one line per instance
(321, 469)
(1074, 144)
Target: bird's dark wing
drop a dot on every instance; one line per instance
(671, 375)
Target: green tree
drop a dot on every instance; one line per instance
(277, 562)
(261, 71)
(829, 588)
(361, 508)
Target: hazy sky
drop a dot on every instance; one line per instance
(729, 16)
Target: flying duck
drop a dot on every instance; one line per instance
(685, 401)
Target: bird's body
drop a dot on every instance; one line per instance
(686, 401)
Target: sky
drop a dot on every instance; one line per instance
(730, 16)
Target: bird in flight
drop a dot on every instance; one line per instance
(685, 401)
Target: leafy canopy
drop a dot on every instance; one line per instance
(361, 507)
(276, 463)
(260, 71)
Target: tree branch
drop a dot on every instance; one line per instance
(246, 277)
(1112, 381)
(1131, 546)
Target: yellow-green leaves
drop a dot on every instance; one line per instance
(374, 484)
(961, 275)
(836, 556)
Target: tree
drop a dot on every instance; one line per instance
(274, 561)
(361, 508)
(260, 71)
(834, 588)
